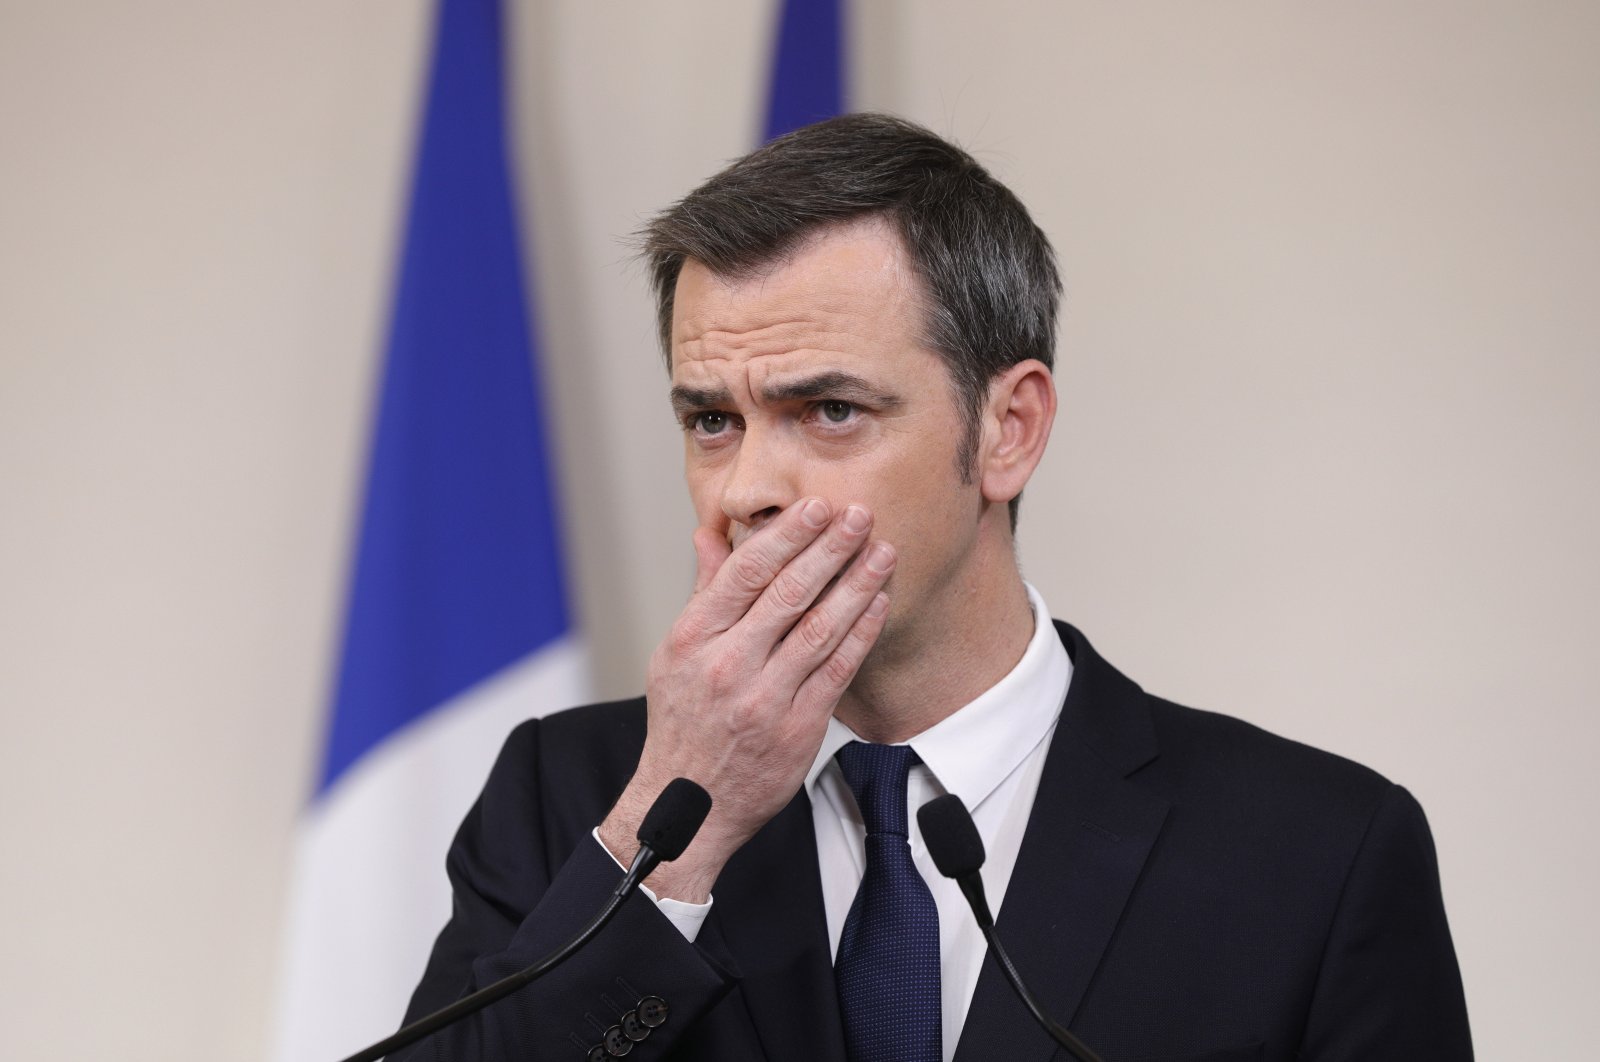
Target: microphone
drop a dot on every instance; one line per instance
(671, 823)
(666, 831)
(957, 850)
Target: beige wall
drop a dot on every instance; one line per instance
(1327, 458)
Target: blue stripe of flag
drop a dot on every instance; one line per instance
(457, 571)
(807, 67)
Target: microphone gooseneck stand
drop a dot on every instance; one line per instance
(666, 831)
(957, 850)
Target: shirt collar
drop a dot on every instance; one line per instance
(974, 749)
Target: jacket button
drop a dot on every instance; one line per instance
(652, 1011)
(633, 1028)
(597, 1053)
(617, 1044)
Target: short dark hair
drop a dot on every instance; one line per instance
(992, 288)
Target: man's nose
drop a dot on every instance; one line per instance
(760, 484)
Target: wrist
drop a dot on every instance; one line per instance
(684, 879)
(689, 877)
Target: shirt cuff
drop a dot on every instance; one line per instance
(687, 917)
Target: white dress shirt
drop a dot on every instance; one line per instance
(990, 753)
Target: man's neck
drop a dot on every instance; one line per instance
(935, 664)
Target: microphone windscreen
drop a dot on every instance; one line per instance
(674, 818)
(951, 836)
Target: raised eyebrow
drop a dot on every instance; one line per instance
(844, 386)
(686, 400)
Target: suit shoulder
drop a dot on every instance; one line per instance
(1221, 754)
(559, 774)
(604, 738)
(607, 719)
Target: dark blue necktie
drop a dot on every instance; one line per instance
(887, 968)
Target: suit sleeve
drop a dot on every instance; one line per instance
(1389, 986)
(512, 904)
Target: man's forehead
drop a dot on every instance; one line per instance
(766, 342)
(850, 279)
(780, 371)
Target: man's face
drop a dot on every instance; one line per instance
(809, 379)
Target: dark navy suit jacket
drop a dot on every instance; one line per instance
(1189, 887)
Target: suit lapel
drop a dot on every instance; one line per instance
(770, 920)
(1086, 842)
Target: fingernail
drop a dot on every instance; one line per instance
(879, 606)
(815, 512)
(881, 558)
(857, 519)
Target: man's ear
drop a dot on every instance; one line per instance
(1017, 417)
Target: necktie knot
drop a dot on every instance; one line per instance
(877, 775)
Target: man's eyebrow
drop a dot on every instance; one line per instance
(836, 384)
(686, 400)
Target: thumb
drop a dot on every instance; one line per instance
(710, 550)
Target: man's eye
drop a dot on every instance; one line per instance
(713, 423)
(836, 411)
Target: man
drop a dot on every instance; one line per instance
(859, 324)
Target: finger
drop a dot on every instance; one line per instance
(820, 631)
(742, 577)
(821, 690)
(710, 550)
(805, 579)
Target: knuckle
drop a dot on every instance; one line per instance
(741, 717)
(681, 640)
(815, 631)
(797, 534)
(839, 544)
(839, 669)
(723, 674)
(864, 581)
(793, 736)
(790, 592)
(749, 571)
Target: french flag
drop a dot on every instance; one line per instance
(808, 66)
(458, 624)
